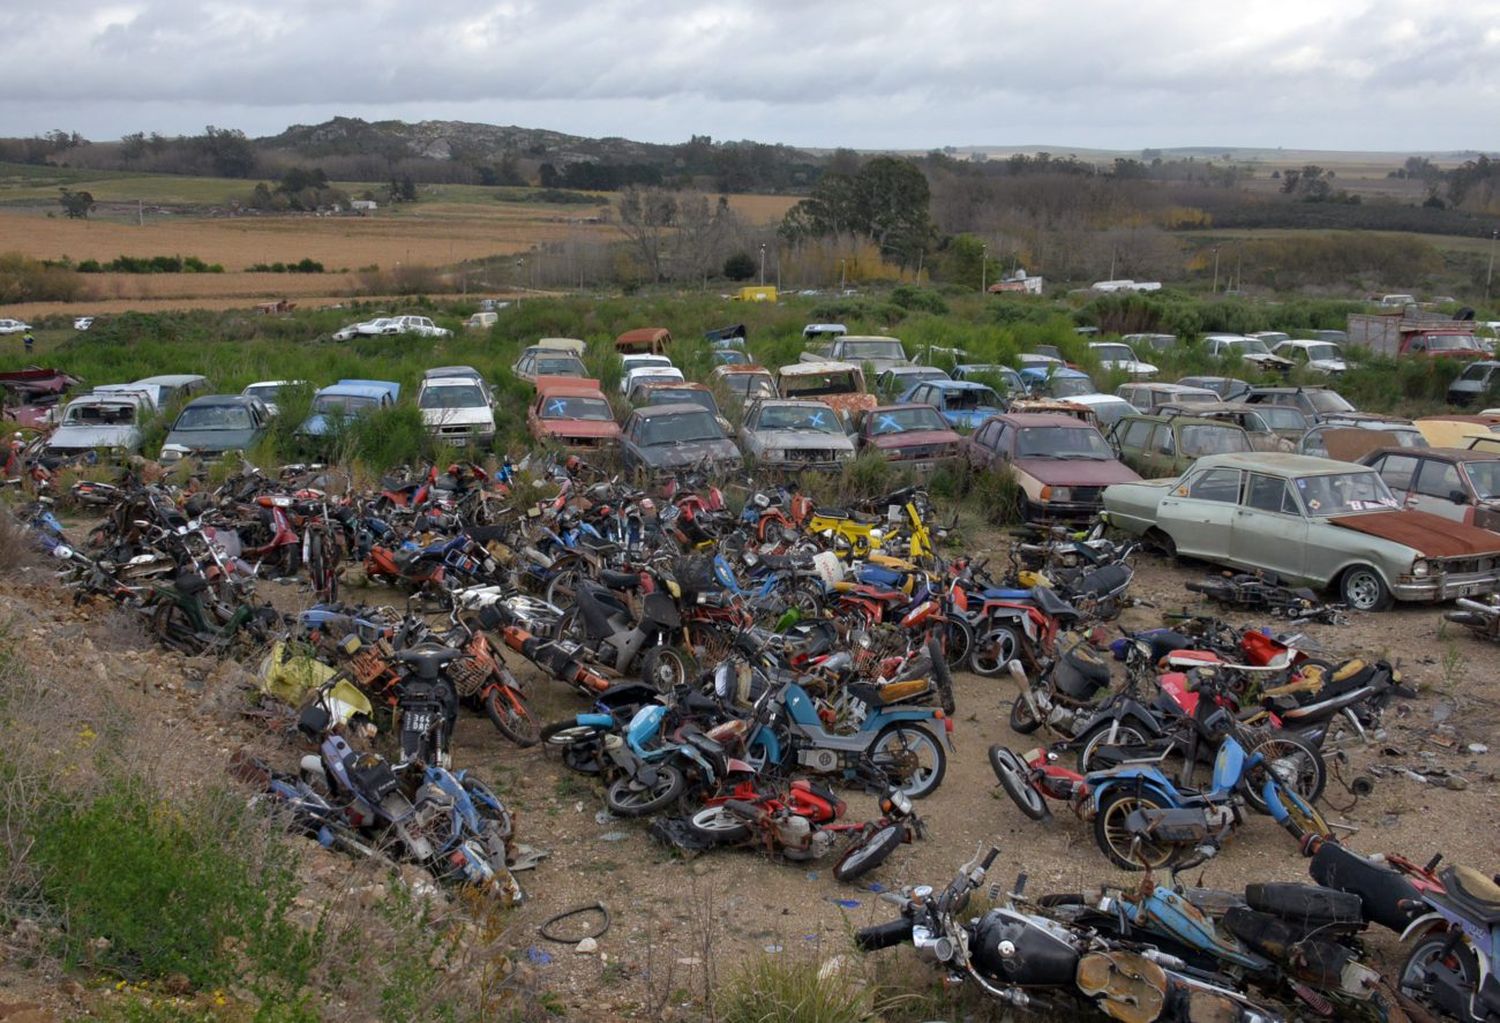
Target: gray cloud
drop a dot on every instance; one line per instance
(1377, 74)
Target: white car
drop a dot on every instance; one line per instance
(1318, 356)
(457, 407)
(83, 323)
(13, 327)
(1250, 349)
(656, 373)
(640, 361)
(1118, 355)
(354, 330)
(268, 390)
(418, 325)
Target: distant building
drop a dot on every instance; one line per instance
(361, 205)
(1017, 284)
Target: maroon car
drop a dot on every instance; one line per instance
(29, 395)
(1061, 463)
(916, 437)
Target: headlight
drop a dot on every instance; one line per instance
(1062, 493)
(773, 454)
(170, 455)
(1420, 568)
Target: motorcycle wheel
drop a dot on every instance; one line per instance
(1098, 737)
(942, 678)
(562, 588)
(807, 598)
(1118, 843)
(511, 718)
(904, 742)
(579, 746)
(993, 649)
(666, 667)
(958, 643)
(1430, 953)
(1022, 721)
(628, 798)
(718, 826)
(1299, 817)
(1294, 761)
(170, 625)
(870, 853)
(1011, 774)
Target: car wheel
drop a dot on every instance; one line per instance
(1362, 589)
(1159, 541)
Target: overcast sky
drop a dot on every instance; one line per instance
(909, 74)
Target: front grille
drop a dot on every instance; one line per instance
(810, 455)
(455, 431)
(1088, 495)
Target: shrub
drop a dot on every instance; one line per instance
(919, 299)
(23, 279)
(777, 989)
(998, 496)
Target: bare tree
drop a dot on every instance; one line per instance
(646, 214)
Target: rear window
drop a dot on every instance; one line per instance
(1203, 439)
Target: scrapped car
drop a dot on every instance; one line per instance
(964, 403)
(671, 438)
(1061, 464)
(457, 406)
(1316, 403)
(1349, 437)
(1312, 522)
(1148, 398)
(899, 379)
(572, 412)
(1455, 431)
(649, 376)
(1269, 427)
(163, 390)
(672, 392)
(1227, 388)
(1164, 446)
(1107, 408)
(1478, 380)
(548, 362)
(644, 339)
(1247, 349)
(9, 326)
(209, 426)
(390, 326)
(744, 383)
(1054, 380)
(1317, 356)
(335, 406)
(268, 391)
(1458, 484)
(838, 384)
(30, 397)
(109, 422)
(1118, 355)
(916, 437)
(795, 435)
(860, 349)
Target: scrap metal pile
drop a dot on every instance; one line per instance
(733, 666)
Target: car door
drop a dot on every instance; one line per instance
(1436, 485)
(1198, 513)
(1160, 457)
(1268, 530)
(1399, 473)
(981, 445)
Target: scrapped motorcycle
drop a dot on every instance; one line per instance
(607, 632)
(1453, 958)
(1482, 618)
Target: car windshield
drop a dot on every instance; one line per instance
(453, 396)
(1204, 439)
(1282, 417)
(902, 420)
(265, 392)
(1195, 398)
(1477, 371)
(971, 397)
(1110, 412)
(213, 417)
(751, 385)
(688, 395)
(647, 379)
(1317, 352)
(1486, 478)
(564, 406)
(1272, 337)
(682, 428)
(800, 417)
(1114, 353)
(1248, 346)
(731, 357)
(901, 381)
(326, 403)
(1344, 492)
(637, 361)
(1327, 402)
(1452, 343)
(819, 383)
(857, 350)
(1065, 387)
(554, 367)
(99, 415)
(1061, 442)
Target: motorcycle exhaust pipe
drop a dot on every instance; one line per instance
(1018, 673)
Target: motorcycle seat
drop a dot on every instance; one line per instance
(1006, 593)
(873, 592)
(427, 658)
(1474, 893)
(1054, 606)
(620, 580)
(847, 513)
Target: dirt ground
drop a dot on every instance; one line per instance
(680, 923)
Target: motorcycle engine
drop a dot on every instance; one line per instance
(794, 833)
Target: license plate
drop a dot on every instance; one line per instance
(924, 466)
(418, 722)
(459, 442)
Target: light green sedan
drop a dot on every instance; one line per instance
(1311, 521)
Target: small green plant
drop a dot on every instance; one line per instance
(781, 989)
(998, 497)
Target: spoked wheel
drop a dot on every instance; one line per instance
(1119, 843)
(870, 853)
(1104, 735)
(1014, 778)
(562, 588)
(173, 628)
(666, 667)
(958, 643)
(1295, 763)
(631, 798)
(994, 648)
(508, 713)
(719, 826)
(911, 758)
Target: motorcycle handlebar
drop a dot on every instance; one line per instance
(989, 858)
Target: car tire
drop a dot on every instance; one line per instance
(1362, 589)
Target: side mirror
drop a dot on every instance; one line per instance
(1458, 497)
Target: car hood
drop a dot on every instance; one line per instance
(802, 439)
(579, 427)
(1076, 472)
(1430, 535)
(80, 438)
(1328, 365)
(689, 453)
(914, 438)
(457, 416)
(850, 403)
(210, 440)
(1267, 360)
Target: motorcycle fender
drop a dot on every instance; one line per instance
(595, 720)
(1148, 780)
(875, 722)
(1423, 925)
(696, 757)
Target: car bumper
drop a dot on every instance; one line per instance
(1062, 511)
(1446, 586)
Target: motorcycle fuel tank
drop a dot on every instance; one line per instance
(1013, 950)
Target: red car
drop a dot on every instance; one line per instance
(1060, 462)
(28, 396)
(572, 412)
(914, 436)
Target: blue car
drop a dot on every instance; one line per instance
(963, 403)
(335, 405)
(991, 373)
(1056, 381)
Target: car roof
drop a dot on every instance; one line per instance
(1450, 454)
(1170, 388)
(1293, 389)
(676, 385)
(221, 399)
(1043, 419)
(576, 387)
(1302, 342)
(1279, 463)
(171, 379)
(1186, 420)
(355, 390)
(452, 371)
(959, 385)
(1097, 399)
(811, 368)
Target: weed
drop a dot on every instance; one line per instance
(783, 989)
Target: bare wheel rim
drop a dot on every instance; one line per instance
(900, 755)
(1362, 589)
(718, 820)
(1122, 840)
(1125, 735)
(998, 648)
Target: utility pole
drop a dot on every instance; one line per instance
(763, 264)
(1216, 270)
(1489, 275)
(984, 265)
(1239, 269)
(843, 274)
